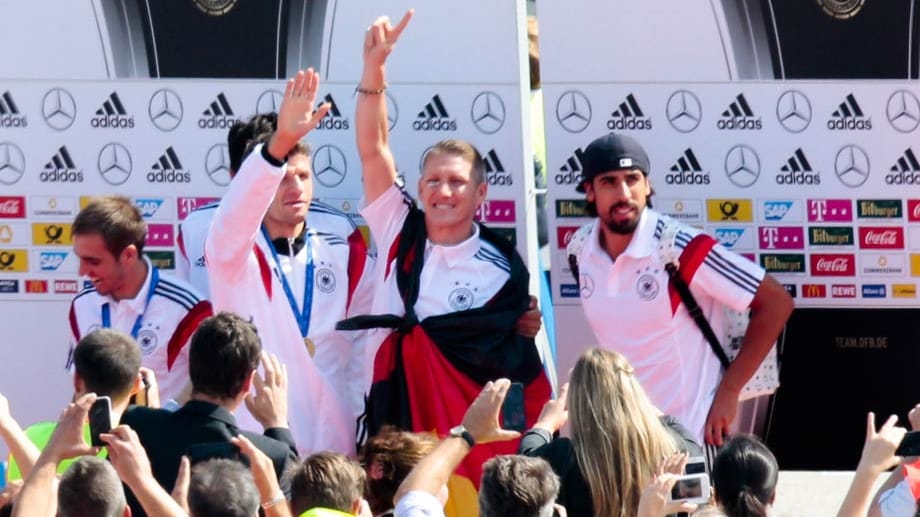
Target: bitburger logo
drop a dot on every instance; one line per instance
(112, 114)
(61, 169)
(797, 171)
(10, 116)
(218, 115)
(434, 117)
(168, 169)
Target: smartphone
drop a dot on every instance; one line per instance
(691, 488)
(910, 445)
(199, 452)
(513, 415)
(100, 419)
(695, 465)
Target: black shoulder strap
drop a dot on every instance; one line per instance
(693, 308)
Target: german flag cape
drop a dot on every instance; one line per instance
(427, 373)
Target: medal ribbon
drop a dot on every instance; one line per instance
(302, 316)
(107, 312)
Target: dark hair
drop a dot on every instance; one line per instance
(90, 488)
(517, 486)
(108, 361)
(116, 220)
(325, 480)
(388, 458)
(222, 487)
(224, 351)
(244, 136)
(300, 147)
(744, 475)
(461, 149)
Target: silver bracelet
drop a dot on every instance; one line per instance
(278, 499)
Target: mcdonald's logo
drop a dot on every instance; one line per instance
(36, 286)
(814, 291)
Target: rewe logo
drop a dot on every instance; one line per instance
(570, 172)
(739, 115)
(10, 116)
(434, 117)
(112, 114)
(687, 171)
(168, 169)
(333, 119)
(219, 115)
(849, 116)
(798, 171)
(61, 168)
(629, 115)
(495, 171)
(905, 171)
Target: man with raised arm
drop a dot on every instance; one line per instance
(452, 290)
(266, 262)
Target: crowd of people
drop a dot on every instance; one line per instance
(296, 368)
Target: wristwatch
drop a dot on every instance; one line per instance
(461, 432)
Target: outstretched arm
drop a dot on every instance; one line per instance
(770, 309)
(371, 124)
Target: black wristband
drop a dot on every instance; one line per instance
(468, 438)
(269, 158)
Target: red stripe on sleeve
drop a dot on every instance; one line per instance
(690, 261)
(185, 329)
(264, 269)
(391, 256)
(357, 258)
(74, 328)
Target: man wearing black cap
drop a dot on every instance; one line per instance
(628, 301)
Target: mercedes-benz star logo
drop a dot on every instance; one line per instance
(268, 102)
(742, 165)
(852, 165)
(59, 109)
(392, 111)
(12, 163)
(488, 112)
(217, 164)
(903, 111)
(165, 109)
(684, 111)
(573, 111)
(115, 163)
(329, 166)
(793, 110)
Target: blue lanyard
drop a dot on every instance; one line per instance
(107, 312)
(303, 315)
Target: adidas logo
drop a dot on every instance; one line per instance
(434, 117)
(570, 172)
(905, 171)
(849, 116)
(112, 114)
(495, 171)
(798, 171)
(739, 115)
(168, 169)
(10, 115)
(333, 119)
(629, 115)
(687, 171)
(219, 115)
(61, 168)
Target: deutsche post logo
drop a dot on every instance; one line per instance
(738, 210)
(14, 260)
(51, 234)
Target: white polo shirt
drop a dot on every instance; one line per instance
(628, 306)
(190, 263)
(454, 278)
(167, 324)
(326, 391)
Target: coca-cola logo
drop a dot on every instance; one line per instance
(913, 210)
(881, 238)
(12, 207)
(833, 265)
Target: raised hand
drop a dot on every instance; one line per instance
(554, 414)
(381, 37)
(298, 114)
(269, 402)
(481, 418)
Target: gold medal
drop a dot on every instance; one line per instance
(311, 346)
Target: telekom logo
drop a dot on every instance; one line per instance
(782, 237)
(830, 210)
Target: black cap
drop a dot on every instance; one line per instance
(611, 152)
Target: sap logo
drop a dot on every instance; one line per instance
(776, 210)
(51, 260)
(729, 237)
(148, 206)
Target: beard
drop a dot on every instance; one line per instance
(625, 227)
